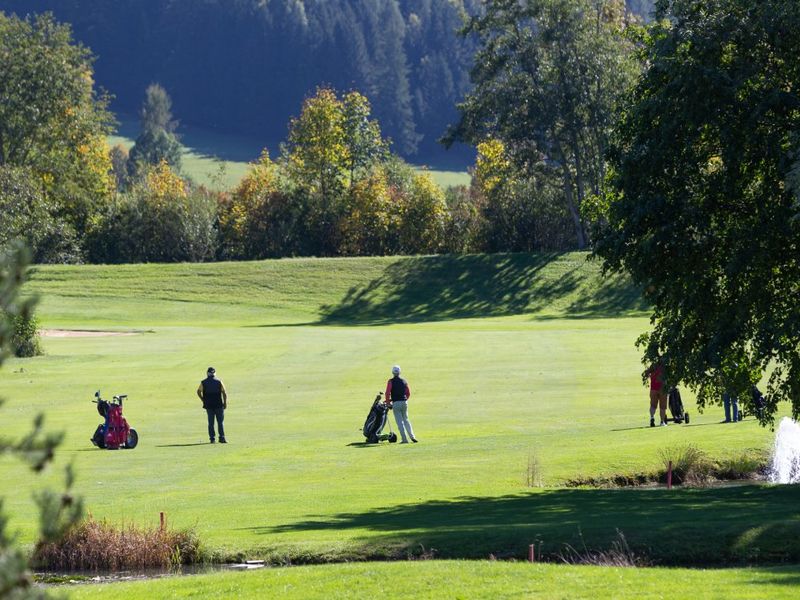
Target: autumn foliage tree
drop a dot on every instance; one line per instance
(331, 144)
(53, 125)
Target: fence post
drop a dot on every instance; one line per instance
(669, 476)
(163, 521)
(532, 553)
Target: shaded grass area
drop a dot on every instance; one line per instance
(460, 579)
(431, 288)
(737, 525)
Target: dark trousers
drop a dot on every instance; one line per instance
(219, 414)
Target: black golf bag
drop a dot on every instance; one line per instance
(676, 406)
(376, 420)
(759, 403)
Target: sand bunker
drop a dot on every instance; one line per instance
(69, 333)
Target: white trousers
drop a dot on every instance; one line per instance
(400, 409)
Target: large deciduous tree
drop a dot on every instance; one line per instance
(52, 123)
(704, 211)
(548, 75)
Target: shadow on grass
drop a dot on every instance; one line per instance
(680, 527)
(183, 445)
(431, 288)
(362, 445)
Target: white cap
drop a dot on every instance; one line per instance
(396, 370)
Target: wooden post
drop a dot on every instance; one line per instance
(163, 521)
(532, 553)
(669, 476)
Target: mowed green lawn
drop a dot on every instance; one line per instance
(509, 357)
(460, 579)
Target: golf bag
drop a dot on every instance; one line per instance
(676, 407)
(759, 404)
(376, 420)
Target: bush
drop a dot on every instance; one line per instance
(28, 214)
(689, 464)
(261, 218)
(466, 224)
(98, 545)
(160, 219)
(25, 340)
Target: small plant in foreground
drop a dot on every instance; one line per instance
(689, 464)
(98, 545)
(619, 555)
(749, 464)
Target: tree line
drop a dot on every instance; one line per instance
(246, 66)
(335, 187)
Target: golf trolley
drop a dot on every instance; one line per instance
(676, 407)
(115, 432)
(376, 420)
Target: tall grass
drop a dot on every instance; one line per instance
(100, 546)
(618, 555)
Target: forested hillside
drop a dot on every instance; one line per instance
(246, 65)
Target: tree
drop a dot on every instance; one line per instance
(119, 165)
(159, 219)
(702, 209)
(522, 211)
(157, 142)
(51, 120)
(548, 75)
(261, 218)
(29, 214)
(58, 512)
(331, 144)
(362, 135)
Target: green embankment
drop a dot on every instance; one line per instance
(513, 360)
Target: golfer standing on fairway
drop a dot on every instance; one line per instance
(398, 392)
(215, 400)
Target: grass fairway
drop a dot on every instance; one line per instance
(509, 357)
(454, 580)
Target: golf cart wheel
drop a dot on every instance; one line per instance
(133, 439)
(686, 418)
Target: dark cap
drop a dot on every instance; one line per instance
(211, 370)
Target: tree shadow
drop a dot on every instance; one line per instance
(433, 288)
(688, 526)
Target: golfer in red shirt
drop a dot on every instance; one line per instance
(658, 394)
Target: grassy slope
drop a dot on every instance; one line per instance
(452, 580)
(219, 161)
(508, 356)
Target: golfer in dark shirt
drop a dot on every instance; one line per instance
(215, 400)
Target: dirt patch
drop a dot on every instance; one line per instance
(81, 333)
